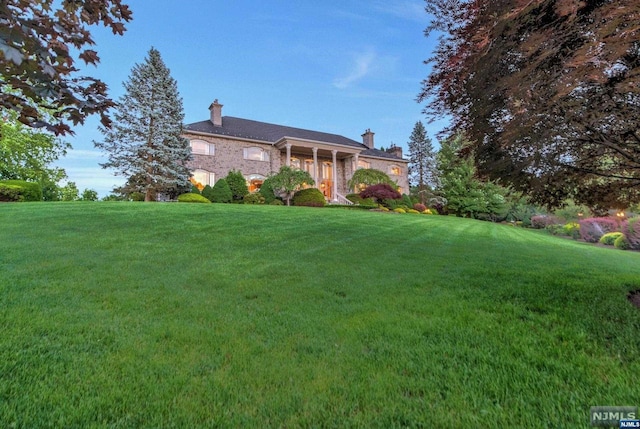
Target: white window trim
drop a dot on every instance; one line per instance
(264, 155)
(210, 147)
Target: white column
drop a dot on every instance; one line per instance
(288, 159)
(315, 167)
(355, 168)
(335, 175)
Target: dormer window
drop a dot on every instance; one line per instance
(201, 147)
(256, 154)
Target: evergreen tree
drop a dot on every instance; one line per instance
(421, 160)
(221, 192)
(238, 185)
(144, 140)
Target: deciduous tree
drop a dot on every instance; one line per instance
(547, 90)
(39, 43)
(364, 177)
(288, 180)
(145, 140)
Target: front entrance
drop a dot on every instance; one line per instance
(326, 185)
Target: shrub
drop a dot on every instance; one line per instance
(610, 237)
(190, 197)
(427, 212)
(419, 207)
(592, 229)
(29, 191)
(238, 185)
(554, 229)
(399, 210)
(542, 221)
(221, 192)
(10, 193)
(631, 229)
(136, 196)
(207, 192)
(266, 190)
(572, 229)
(254, 198)
(357, 199)
(380, 193)
(276, 202)
(195, 189)
(413, 211)
(310, 197)
(621, 243)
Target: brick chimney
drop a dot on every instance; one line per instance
(367, 139)
(395, 151)
(216, 113)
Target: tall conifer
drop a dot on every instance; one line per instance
(145, 139)
(421, 159)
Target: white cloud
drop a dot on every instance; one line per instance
(405, 9)
(361, 67)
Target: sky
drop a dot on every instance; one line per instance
(336, 66)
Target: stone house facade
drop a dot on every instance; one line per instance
(258, 149)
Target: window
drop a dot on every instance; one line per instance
(256, 154)
(308, 167)
(202, 178)
(394, 170)
(254, 182)
(363, 164)
(295, 163)
(200, 147)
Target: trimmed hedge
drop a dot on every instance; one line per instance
(192, 198)
(254, 198)
(621, 243)
(543, 221)
(357, 199)
(609, 238)
(310, 197)
(221, 192)
(19, 190)
(592, 229)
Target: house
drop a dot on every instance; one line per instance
(258, 149)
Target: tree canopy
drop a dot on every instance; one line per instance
(364, 177)
(38, 77)
(145, 143)
(288, 180)
(547, 90)
(421, 160)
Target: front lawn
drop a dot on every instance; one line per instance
(208, 315)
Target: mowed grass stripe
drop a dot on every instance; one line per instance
(161, 315)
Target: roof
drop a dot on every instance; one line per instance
(380, 154)
(255, 130)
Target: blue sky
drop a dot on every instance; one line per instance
(333, 66)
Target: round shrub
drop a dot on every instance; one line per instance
(621, 243)
(276, 202)
(190, 197)
(572, 229)
(207, 192)
(542, 221)
(399, 210)
(221, 192)
(310, 197)
(254, 198)
(610, 237)
(412, 211)
(419, 207)
(266, 190)
(10, 194)
(427, 211)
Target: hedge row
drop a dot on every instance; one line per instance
(19, 190)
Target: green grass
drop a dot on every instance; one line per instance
(190, 315)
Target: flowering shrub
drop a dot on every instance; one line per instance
(610, 237)
(543, 221)
(593, 228)
(631, 229)
(419, 207)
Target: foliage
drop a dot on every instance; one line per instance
(542, 221)
(413, 211)
(399, 210)
(238, 185)
(522, 79)
(571, 229)
(381, 192)
(254, 198)
(631, 229)
(190, 197)
(70, 192)
(591, 229)
(145, 142)
(38, 77)
(419, 207)
(621, 243)
(206, 192)
(21, 190)
(421, 161)
(276, 202)
(114, 197)
(364, 177)
(266, 190)
(221, 192)
(609, 238)
(358, 200)
(519, 209)
(572, 211)
(310, 197)
(196, 190)
(288, 180)
(89, 195)
(26, 154)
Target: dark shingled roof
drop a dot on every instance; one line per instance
(244, 128)
(380, 154)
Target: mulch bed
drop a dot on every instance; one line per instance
(634, 297)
